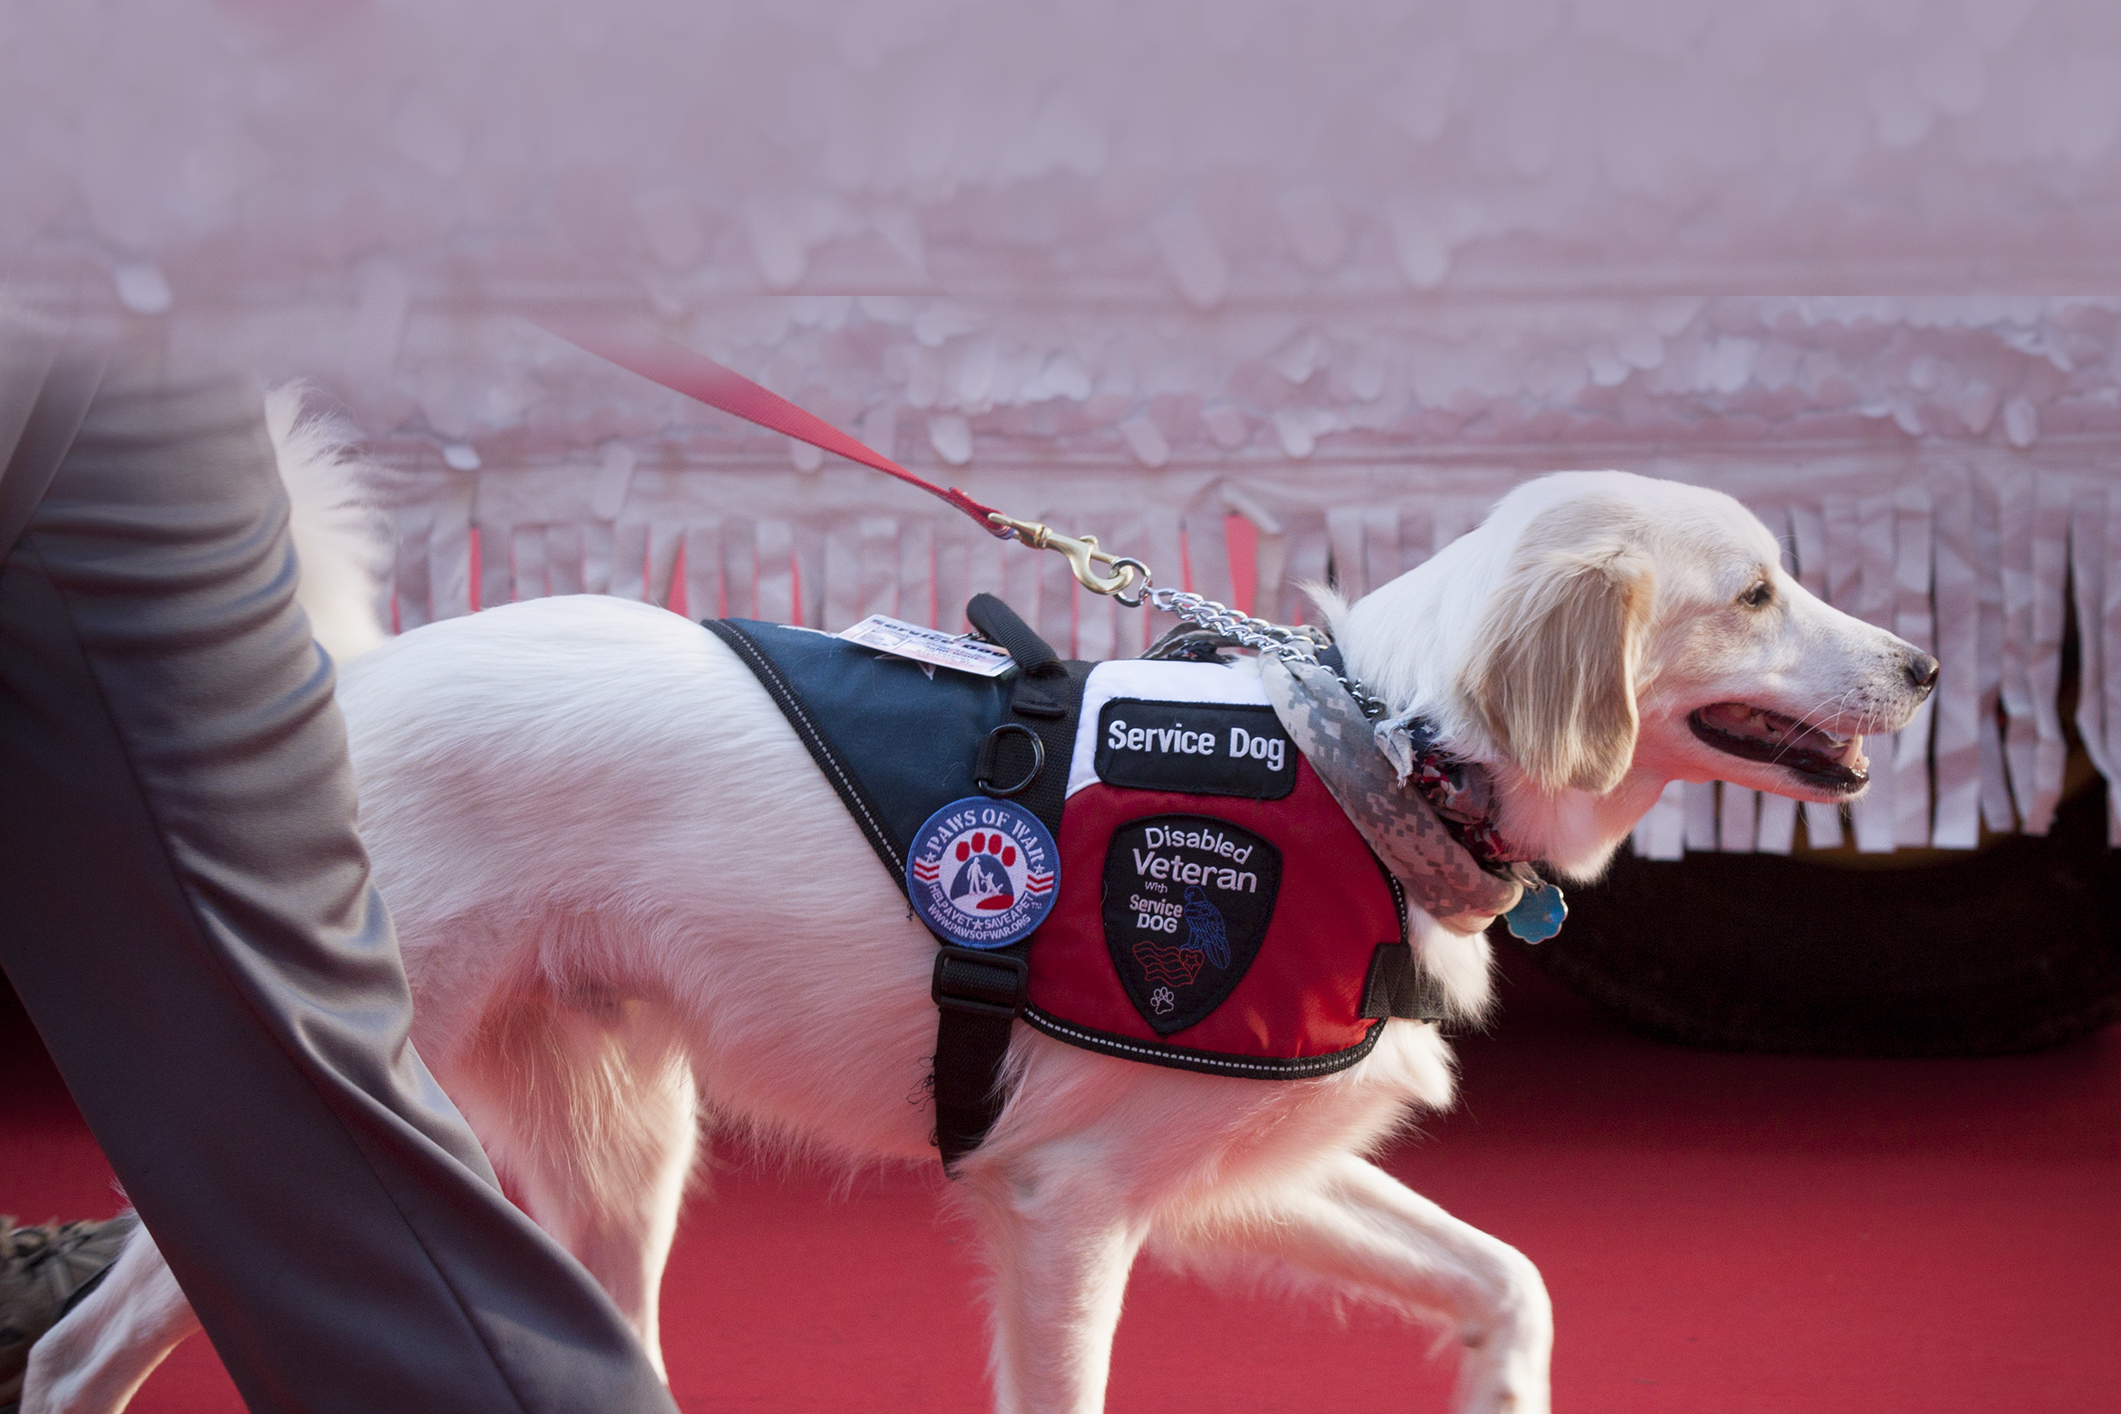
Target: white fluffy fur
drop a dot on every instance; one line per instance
(337, 530)
(571, 804)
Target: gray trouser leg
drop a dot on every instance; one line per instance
(186, 912)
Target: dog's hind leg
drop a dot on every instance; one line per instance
(1060, 1243)
(94, 1360)
(588, 1110)
(1354, 1231)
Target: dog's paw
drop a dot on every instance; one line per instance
(1510, 1347)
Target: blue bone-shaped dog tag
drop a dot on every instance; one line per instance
(1537, 916)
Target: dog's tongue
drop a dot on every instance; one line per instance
(1762, 725)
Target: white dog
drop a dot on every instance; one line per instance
(568, 800)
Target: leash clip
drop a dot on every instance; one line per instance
(1084, 558)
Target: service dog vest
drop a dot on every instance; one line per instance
(1216, 910)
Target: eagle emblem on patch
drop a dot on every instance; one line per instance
(982, 872)
(1187, 902)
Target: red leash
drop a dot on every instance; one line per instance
(682, 370)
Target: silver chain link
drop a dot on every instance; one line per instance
(1287, 643)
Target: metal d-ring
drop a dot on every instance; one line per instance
(1140, 576)
(990, 752)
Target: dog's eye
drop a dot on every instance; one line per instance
(1759, 596)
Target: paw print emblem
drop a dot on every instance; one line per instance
(985, 860)
(1162, 1000)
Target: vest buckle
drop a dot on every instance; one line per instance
(983, 983)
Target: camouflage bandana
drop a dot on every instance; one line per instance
(1385, 804)
(1458, 790)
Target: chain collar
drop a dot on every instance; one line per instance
(1457, 790)
(1290, 644)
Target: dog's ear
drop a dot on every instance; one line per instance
(1554, 679)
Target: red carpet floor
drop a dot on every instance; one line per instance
(1722, 1235)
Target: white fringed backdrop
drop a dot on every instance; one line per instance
(1987, 558)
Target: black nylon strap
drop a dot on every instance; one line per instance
(978, 995)
(1045, 699)
(1034, 656)
(972, 1032)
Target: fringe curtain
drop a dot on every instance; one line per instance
(1987, 566)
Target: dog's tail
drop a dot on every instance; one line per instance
(340, 533)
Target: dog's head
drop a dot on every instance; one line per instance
(1601, 634)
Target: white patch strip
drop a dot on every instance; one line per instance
(843, 575)
(1873, 811)
(1157, 682)
(527, 578)
(1344, 534)
(2088, 579)
(664, 539)
(1997, 812)
(1661, 833)
(1958, 699)
(449, 553)
(776, 586)
(2043, 667)
(415, 529)
(877, 590)
(1913, 620)
(2111, 653)
(2021, 735)
(1816, 548)
(1736, 819)
(1700, 831)
(563, 559)
(1776, 817)
(596, 557)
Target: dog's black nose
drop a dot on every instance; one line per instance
(1922, 672)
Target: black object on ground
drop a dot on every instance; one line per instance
(2012, 948)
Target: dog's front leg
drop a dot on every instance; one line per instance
(1060, 1241)
(1356, 1231)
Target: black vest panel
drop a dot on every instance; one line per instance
(896, 743)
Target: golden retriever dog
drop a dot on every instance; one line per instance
(569, 802)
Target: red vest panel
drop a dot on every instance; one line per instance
(1104, 973)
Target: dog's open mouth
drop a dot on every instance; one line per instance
(1822, 757)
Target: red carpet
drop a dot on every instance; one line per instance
(1722, 1235)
